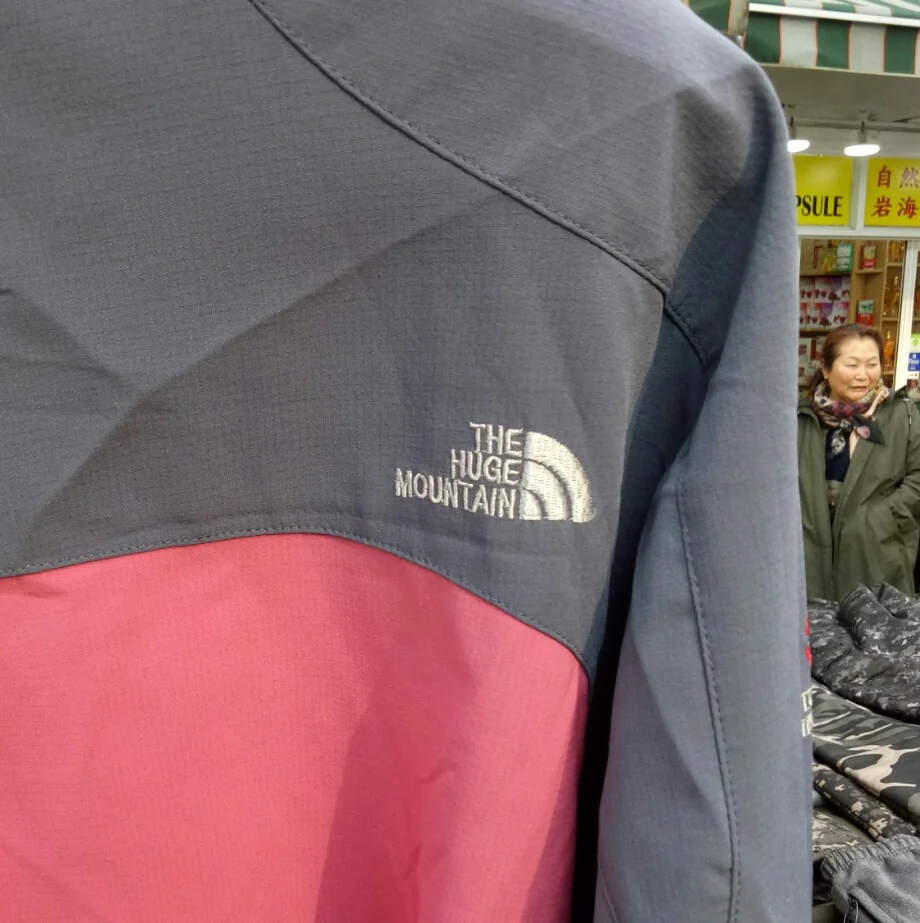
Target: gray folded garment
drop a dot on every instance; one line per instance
(879, 883)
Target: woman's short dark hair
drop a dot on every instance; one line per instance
(834, 343)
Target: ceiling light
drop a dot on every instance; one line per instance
(863, 147)
(866, 149)
(795, 144)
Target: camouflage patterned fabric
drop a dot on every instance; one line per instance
(868, 650)
(881, 754)
(830, 831)
(859, 807)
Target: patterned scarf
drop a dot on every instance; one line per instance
(843, 419)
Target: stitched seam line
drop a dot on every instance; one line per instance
(605, 894)
(715, 710)
(444, 151)
(686, 328)
(119, 551)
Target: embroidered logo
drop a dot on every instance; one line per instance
(808, 710)
(509, 474)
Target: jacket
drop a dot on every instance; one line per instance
(875, 534)
(879, 753)
(374, 518)
(865, 650)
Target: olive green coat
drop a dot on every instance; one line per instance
(875, 533)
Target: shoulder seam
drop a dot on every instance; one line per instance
(427, 140)
(307, 527)
(686, 328)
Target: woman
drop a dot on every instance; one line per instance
(859, 471)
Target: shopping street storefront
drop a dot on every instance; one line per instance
(846, 73)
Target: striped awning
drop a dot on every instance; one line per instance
(869, 36)
(728, 16)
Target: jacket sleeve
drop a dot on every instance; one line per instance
(905, 501)
(706, 810)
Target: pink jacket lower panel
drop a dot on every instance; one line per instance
(282, 728)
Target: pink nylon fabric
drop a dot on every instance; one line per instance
(282, 728)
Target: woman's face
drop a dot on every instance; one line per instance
(855, 371)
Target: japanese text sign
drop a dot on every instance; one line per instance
(893, 193)
(823, 190)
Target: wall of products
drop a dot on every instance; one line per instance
(853, 281)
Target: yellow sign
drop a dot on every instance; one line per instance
(893, 193)
(823, 190)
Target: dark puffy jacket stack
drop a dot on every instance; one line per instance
(867, 650)
(866, 699)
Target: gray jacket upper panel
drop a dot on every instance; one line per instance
(624, 121)
(262, 264)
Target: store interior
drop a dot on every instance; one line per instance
(856, 281)
(862, 275)
(858, 263)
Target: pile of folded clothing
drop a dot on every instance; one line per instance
(866, 697)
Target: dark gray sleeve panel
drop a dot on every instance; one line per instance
(664, 417)
(707, 780)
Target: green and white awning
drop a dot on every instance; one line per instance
(869, 36)
(728, 16)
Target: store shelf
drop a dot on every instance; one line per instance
(895, 265)
(817, 273)
(867, 272)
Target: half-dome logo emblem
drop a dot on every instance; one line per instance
(508, 473)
